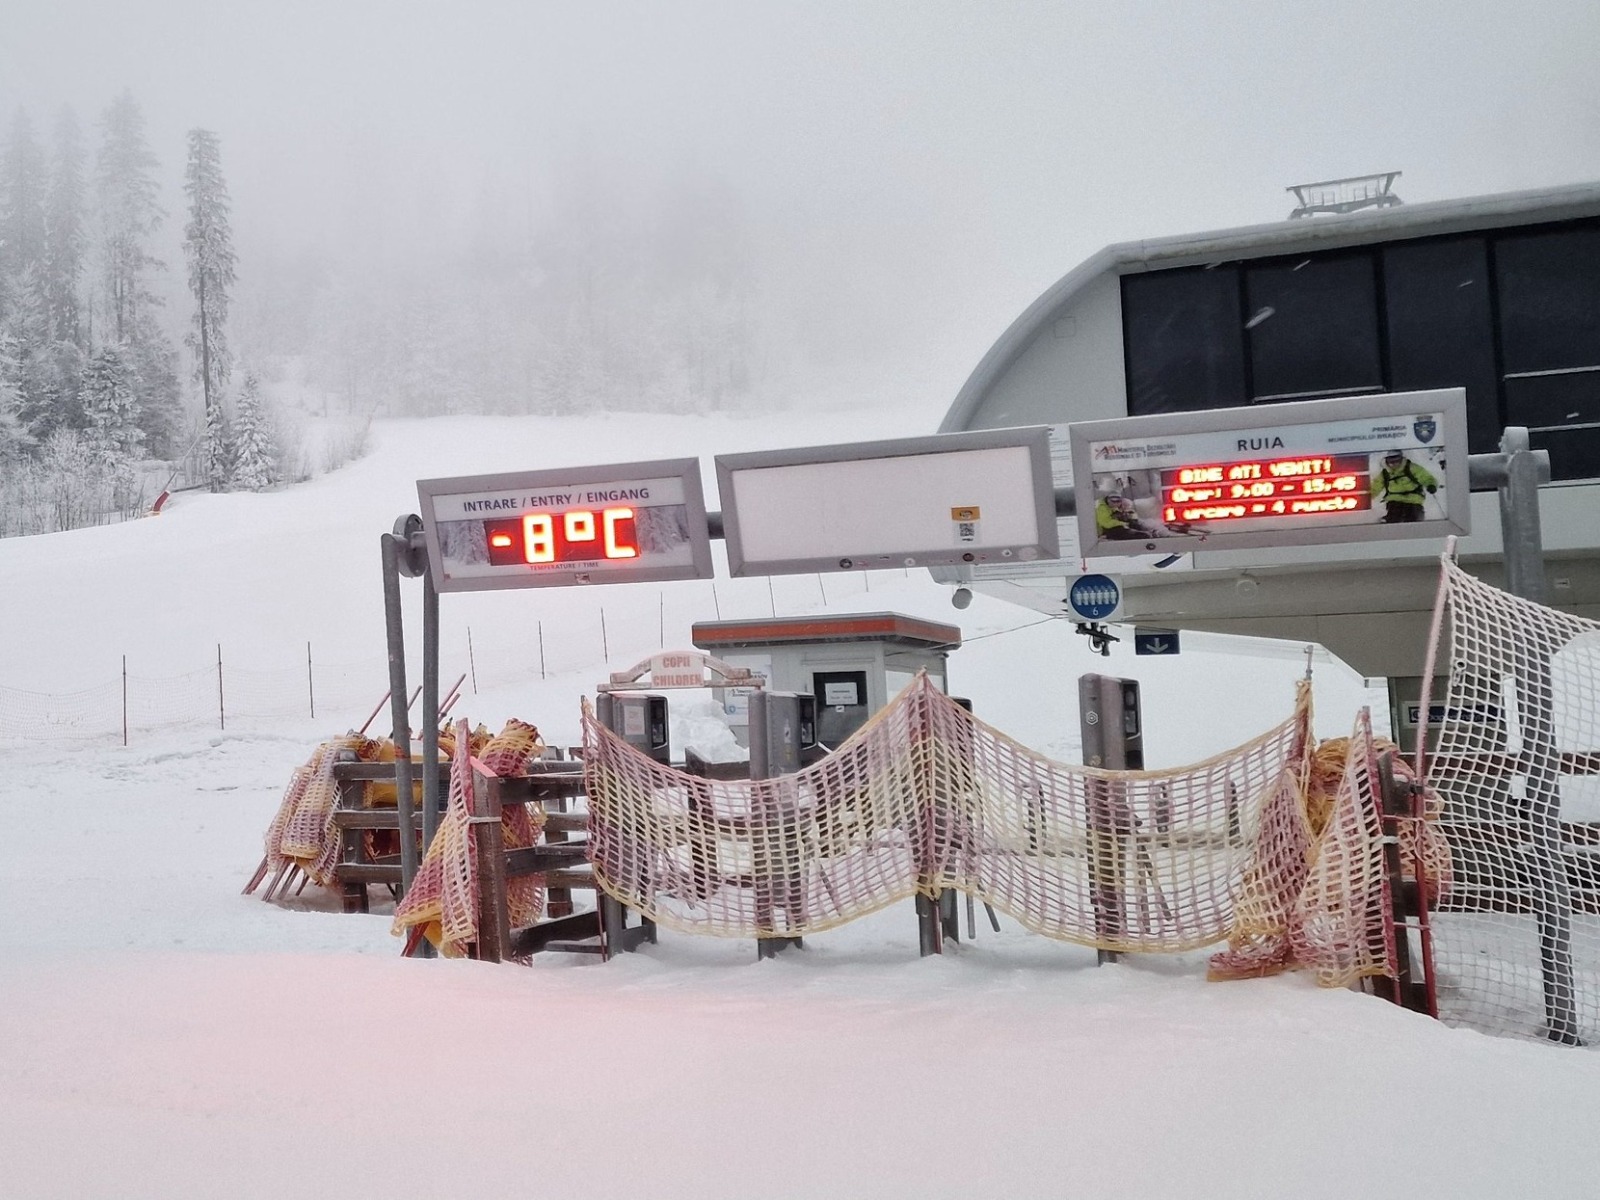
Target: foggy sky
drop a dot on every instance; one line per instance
(919, 172)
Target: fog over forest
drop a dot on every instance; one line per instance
(542, 208)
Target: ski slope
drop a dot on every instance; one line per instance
(165, 1036)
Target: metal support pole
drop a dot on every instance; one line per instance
(1522, 536)
(397, 707)
(1519, 516)
(430, 722)
(1551, 890)
(765, 826)
(430, 711)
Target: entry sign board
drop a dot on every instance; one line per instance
(610, 524)
(984, 496)
(1361, 468)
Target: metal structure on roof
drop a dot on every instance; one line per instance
(1348, 195)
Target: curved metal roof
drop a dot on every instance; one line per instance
(1265, 241)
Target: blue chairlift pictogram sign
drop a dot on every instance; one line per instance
(1094, 597)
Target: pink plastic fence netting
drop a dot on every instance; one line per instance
(926, 797)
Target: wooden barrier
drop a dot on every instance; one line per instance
(562, 858)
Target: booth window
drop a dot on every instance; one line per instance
(1550, 342)
(841, 704)
(1185, 352)
(1312, 325)
(1437, 308)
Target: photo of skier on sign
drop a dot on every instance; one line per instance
(1402, 486)
(1130, 509)
(1116, 518)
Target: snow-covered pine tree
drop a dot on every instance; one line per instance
(254, 462)
(64, 234)
(111, 408)
(208, 249)
(27, 369)
(13, 436)
(216, 449)
(24, 325)
(113, 436)
(22, 199)
(129, 216)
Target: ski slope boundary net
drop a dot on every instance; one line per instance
(927, 797)
(1517, 932)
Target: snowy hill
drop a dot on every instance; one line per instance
(166, 1036)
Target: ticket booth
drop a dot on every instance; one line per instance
(853, 664)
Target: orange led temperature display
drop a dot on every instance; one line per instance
(1273, 487)
(576, 535)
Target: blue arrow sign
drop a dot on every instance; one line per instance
(1155, 641)
(1094, 597)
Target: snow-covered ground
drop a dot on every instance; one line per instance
(164, 1036)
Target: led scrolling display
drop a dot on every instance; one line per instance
(1274, 487)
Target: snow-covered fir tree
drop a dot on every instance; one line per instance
(254, 460)
(64, 233)
(14, 439)
(111, 407)
(208, 249)
(27, 368)
(40, 237)
(23, 185)
(216, 449)
(129, 215)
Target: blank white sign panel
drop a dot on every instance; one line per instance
(919, 509)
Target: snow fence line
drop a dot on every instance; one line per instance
(210, 697)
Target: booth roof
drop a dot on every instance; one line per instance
(845, 627)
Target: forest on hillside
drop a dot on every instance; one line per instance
(116, 384)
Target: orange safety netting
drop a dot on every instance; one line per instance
(443, 899)
(927, 797)
(1323, 901)
(302, 832)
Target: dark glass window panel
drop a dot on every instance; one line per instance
(1568, 398)
(1574, 453)
(1313, 328)
(1549, 299)
(1441, 333)
(1184, 352)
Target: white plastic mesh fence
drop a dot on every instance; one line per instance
(926, 797)
(1517, 931)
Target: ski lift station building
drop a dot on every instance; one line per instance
(1499, 295)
